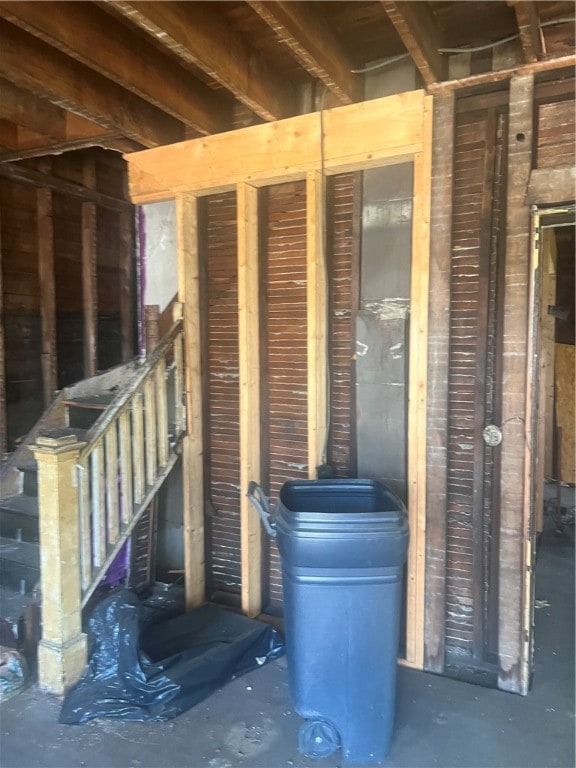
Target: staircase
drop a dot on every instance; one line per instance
(122, 429)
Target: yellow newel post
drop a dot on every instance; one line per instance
(62, 650)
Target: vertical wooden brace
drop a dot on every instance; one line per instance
(417, 388)
(514, 591)
(47, 292)
(249, 364)
(89, 277)
(127, 284)
(3, 423)
(317, 304)
(437, 387)
(193, 443)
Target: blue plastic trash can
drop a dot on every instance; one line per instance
(343, 544)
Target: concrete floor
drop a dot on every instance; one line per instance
(250, 723)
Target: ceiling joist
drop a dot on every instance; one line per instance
(199, 34)
(86, 34)
(418, 30)
(312, 42)
(35, 66)
(529, 28)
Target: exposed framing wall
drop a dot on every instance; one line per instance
(367, 135)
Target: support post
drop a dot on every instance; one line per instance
(193, 442)
(249, 359)
(62, 651)
(89, 277)
(47, 292)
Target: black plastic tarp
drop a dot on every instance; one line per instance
(144, 671)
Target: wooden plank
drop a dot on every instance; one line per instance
(317, 321)
(201, 36)
(111, 475)
(528, 22)
(161, 414)
(126, 256)
(84, 521)
(47, 293)
(437, 386)
(35, 66)
(150, 431)
(138, 453)
(514, 592)
(193, 442)
(97, 502)
(417, 393)
(342, 139)
(126, 468)
(86, 34)
(250, 405)
(179, 373)
(552, 185)
(419, 31)
(68, 188)
(312, 42)
(472, 81)
(89, 276)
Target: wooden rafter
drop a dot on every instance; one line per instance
(310, 39)
(199, 35)
(84, 32)
(35, 66)
(529, 28)
(418, 30)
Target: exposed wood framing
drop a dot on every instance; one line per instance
(515, 558)
(89, 36)
(562, 62)
(438, 356)
(317, 311)
(340, 140)
(250, 407)
(31, 64)
(193, 442)
(286, 150)
(208, 42)
(126, 283)
(418, 30)
(101, 138)
(40, 179)
(47, 293)
(89, 277)
(529, 28)
(417, 389)
(310, 39)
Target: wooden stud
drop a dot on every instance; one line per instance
(89, 278)
(150, 431)
(437, 385)
(111, 475)
(513, 635)
(529, 27)
(250, 406)
(162, 414)
(417, 388)
(47, 293)
(97, 499)
(193, 442)
(126, 284)
(63, 648)
(317, 310)
(84, 518)
(126, 469)
(138, 452)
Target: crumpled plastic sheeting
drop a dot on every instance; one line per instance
(13, 672)
(156, 672)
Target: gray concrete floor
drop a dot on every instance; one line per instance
(250, 723)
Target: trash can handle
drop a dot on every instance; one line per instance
(262, 504)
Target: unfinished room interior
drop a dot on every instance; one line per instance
(287, 241)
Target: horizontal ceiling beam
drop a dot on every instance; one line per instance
(307, 34)
(114, 141)
(199, 35)
(35, 66)
(83, 32)
(416, 25)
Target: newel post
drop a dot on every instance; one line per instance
(62, 651)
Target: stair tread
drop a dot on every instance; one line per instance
(23, 552)
(22, 504)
